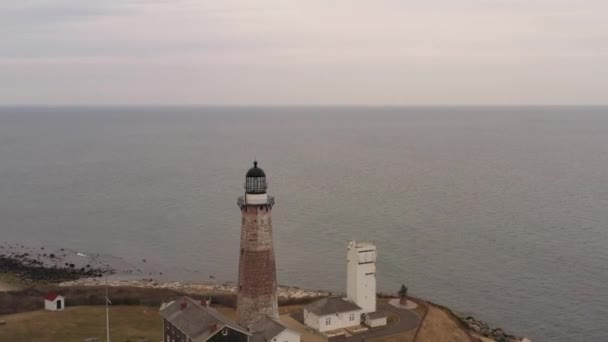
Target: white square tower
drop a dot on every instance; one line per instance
(361, 275)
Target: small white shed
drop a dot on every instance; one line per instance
(54, 302)
(375, 319)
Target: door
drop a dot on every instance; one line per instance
(59, 305)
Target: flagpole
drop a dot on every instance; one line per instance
(107, 296)
(107, 312)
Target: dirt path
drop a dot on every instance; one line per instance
(441, 325)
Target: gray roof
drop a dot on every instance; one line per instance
(267, 329)
(331, 305)
(196, 320)
(376, 314)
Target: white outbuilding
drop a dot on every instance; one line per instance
(332, 313)
(359, 306)
(375, 319)
(54, 302)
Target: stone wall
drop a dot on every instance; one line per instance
(257, 284)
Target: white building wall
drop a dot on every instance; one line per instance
(256, 198)
(378, 322)
(51, 305)
(336, 321)
(311, 320)
(361, 275)
(287, 336)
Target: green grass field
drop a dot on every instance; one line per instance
(127, 323)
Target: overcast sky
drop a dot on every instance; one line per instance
(376, 52)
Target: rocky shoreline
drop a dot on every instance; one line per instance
(46, 267)
(482, 328)
(68, 268)
(283, 292)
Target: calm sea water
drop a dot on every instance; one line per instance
(497, 212)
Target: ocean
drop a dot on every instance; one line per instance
(498, 212)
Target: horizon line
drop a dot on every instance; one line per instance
(143, 105)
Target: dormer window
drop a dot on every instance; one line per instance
(224, 331)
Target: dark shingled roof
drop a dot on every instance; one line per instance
(330, 305)
(197, 321)
(267, 329)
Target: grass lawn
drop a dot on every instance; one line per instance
(127, 323)
(9, 282)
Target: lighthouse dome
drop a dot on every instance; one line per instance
(255, 171)
(255, 180)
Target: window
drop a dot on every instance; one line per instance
(352, 317)
(328, 321)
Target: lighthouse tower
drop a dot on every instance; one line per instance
(257, 286)
(361, 275)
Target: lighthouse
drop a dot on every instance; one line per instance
(361, 275)
(257, 284)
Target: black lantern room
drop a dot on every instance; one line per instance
(255, 181)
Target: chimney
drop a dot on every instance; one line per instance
(212, 327)
(183, 305)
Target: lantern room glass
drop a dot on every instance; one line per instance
(255, 185)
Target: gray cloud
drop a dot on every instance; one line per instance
(271, 51)
(29, 14)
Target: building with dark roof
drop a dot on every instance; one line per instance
(187, 320)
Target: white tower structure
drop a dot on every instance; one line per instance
(361, 275)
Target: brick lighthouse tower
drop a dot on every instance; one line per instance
(257, 286)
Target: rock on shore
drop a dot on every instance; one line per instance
(497, 334)
(194, 288)
(30, 269)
